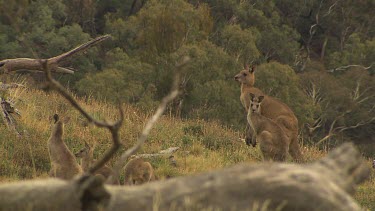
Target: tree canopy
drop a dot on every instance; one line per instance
(316, 56)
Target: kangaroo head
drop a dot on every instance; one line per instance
(85, 151)
(255, 102)
(58, 127)
(246, 76)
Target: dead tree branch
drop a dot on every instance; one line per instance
(341, 68)
(9, 65)
(165, 152)
(324, 185)
(112, 127)
(336, 130)
(313, 29)
(151, 122)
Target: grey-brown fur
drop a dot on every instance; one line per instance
(63, 163)
(86, 155)
(137, 172)
(273, 141)
(271, 108)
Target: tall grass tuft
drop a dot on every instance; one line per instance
(204, 146)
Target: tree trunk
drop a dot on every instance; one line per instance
(84, 193)
(9, 65)
(323, 185)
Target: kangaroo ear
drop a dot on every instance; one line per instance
(252, 69)
(246, 66)
(252, 96)
(55, 118)
(261, 98)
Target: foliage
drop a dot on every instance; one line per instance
(356, 51)
(212, 145)
(122, 79)
(344, 102)
(294, 43)
(281, 82)
(241, 43)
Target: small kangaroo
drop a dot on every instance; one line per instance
(63, 163)
(86, 154)
(273, 142)
(137, 172)
(272, 108)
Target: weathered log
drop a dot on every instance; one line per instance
(84, 193)
(164, 152)
(9, 65)
(323, 185)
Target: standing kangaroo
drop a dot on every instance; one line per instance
(63, 163)
(86, 154)
(137, 172)
(272, 108)
(273, 141)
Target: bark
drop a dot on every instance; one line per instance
(84, 193)
(164, 152)
(9, 65)
(323, 185)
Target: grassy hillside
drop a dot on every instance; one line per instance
(204, 145)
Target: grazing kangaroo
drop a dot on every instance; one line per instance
(137, 172)
(273, 141)
(272, 108)
(86, 154)
(63, 163)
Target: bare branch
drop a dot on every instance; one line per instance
(349, 66)
(80, 48)
(317, 124)
(335, 130)
(332, 129)
(10, 65)
(361, 123)
(357, 94)
(314, 93)
(112, 127)
(272, 185)
(151, 122)
(165, 152)
(331, 8)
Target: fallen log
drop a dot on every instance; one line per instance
(9, 65)
(83, 193)
(323, 185)
(164, 152)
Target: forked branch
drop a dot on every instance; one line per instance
(9, 65)
(112, 127)
(151, 122)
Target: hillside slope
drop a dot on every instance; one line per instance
(203, 145)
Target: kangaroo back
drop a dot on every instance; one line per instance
(86, 154)
(272, 108)
(274, 143)
(63, 162)
(137, 171)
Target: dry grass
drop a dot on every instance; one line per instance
(204, 146)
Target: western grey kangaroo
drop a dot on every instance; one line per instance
(63, 163)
